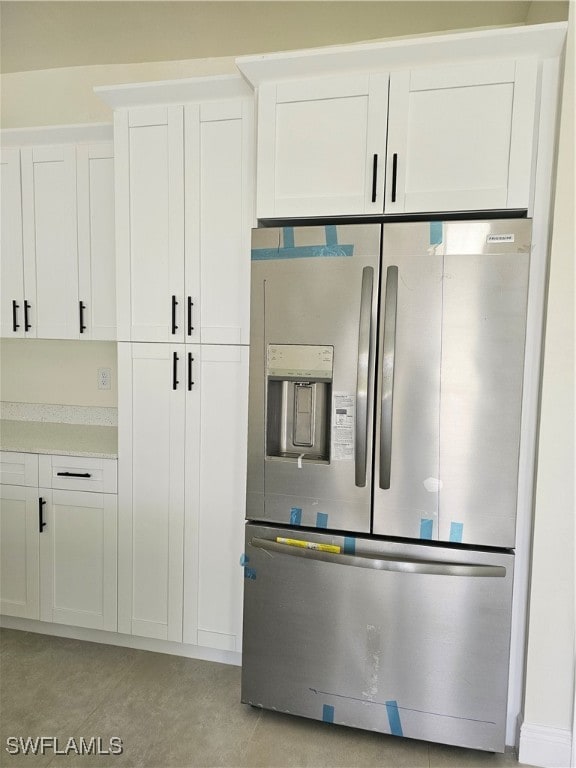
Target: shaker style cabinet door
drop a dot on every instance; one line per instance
(460, 137)
(96, 248)
(12, 262)
(216, 424)
(149, 161)
(19, 526)
(50, 239)
(321, 146)
(78, 559)
(151, 439)
(219, 192)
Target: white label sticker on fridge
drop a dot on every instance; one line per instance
(343, 417)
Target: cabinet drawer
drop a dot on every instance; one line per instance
(78, 473)
(18, 468)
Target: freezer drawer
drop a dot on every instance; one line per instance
(409, 640)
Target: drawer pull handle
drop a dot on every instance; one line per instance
(27, 324)
(82, 307)
(73, 474)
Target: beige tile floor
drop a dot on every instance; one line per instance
(176, 712)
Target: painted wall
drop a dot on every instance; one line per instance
(550, 679)
(57, 372)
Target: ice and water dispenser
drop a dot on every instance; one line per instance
(299, 396)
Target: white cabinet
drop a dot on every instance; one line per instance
(96, 242)
(78, 559)
(19, 546)
(436, 138)
(12, 290)
(58, 545)
(461, 137)
(322, 146)
(151, 438)
(216, 438)
(184, 206)
(58, 241)
(182, 438)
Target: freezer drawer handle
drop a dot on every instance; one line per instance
(388, 354)
(73, 474)
(382, 562)
(363, 375)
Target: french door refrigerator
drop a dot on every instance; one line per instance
(386, 378)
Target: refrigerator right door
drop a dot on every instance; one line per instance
(451, 373)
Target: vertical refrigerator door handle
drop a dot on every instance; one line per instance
(363, 374)
(388, 354)
(174, 305)
(175, 381)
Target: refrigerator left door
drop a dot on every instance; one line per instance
(404, 639)
(312, 359)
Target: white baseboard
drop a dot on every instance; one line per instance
(125, 641)
(546, 747)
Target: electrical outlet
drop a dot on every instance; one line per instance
(104, 378)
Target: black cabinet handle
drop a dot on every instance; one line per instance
(174, 305)
(394, 174)
(175, 381)
(15, 308)
(374, 177)
(190, 305)
(73, 474)
(41, 523)
(27, 325)
(190, 361)
(82, 307)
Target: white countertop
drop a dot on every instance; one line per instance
(62, 439)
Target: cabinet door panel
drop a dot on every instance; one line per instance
(450, 138)
(216, 449)
(151, 490)
(12, 273)
(78, 555)
(150, 206)
(218, 218)
(96, 240)
(50, 240)
(19, 582)
(317, 143)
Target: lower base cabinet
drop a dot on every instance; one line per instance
(19, 552)
(58, 548)
(78, 580)
(182, 450)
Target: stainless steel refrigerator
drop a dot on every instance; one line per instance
(386, 376)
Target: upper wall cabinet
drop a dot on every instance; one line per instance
(184, 206)
(322, 146)
(58, 265)
(461, 137)
(427, 125)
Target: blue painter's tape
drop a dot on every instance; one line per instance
(426, 528)
(244, 559)
(302, 252)
(349, 545)
(288, 233)
(456, 531)
(328, 713)
(436, 235)
(321, 520)
(394, 718)
(295, 516)
(331, 234)
(250, 573)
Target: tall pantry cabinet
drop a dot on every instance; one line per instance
(184, 202)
